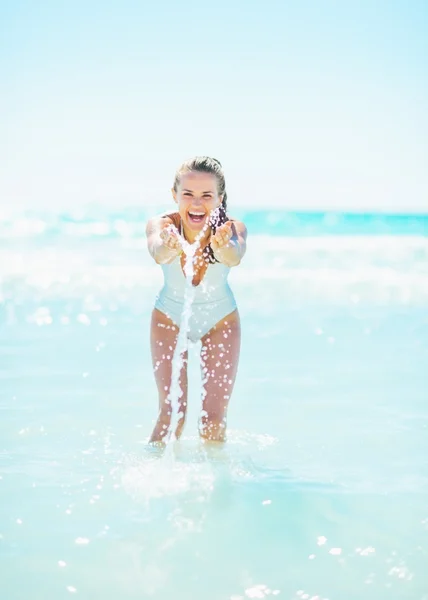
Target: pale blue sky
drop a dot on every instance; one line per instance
(308, 104)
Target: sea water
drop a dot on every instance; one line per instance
(322, 488)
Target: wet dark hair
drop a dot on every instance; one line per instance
(205, 164)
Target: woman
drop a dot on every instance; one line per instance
(219, 244)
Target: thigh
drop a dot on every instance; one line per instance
(163, 340)
(219, 359)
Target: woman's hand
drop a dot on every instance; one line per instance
(171, 239)
(229, 243)
(222, 236)
(163, 240)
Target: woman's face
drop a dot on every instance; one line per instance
(196, 196)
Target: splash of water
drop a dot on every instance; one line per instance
(175, 391)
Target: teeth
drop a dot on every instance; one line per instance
(196, 214)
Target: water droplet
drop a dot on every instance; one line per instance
(82, 540)
(83, 319)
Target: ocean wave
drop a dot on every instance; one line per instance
(99, 222)
(106, 277)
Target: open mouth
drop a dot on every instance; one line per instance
(196, 216)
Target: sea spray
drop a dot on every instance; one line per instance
(175, 391)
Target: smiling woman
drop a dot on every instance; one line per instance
(200, 194)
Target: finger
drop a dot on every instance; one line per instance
(227, 227)
(168, 230)
(165, 235)
(225, 237)
(218, 237)
(172, 243)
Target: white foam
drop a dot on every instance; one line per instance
(159, 478)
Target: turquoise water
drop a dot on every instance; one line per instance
(322, 489)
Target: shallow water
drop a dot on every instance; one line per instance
(322, 489)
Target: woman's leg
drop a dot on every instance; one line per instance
(219, 359)
(163, 339)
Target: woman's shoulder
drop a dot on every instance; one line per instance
(159, 221)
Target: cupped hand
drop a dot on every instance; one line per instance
(222, 236)
(171, 238)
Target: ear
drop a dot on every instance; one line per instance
(220, 200)
(174, 195)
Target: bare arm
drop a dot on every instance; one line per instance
(230, 243)
(162, 247)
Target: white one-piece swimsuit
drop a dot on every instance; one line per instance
(213, 299)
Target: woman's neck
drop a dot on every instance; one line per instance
(191, 236)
